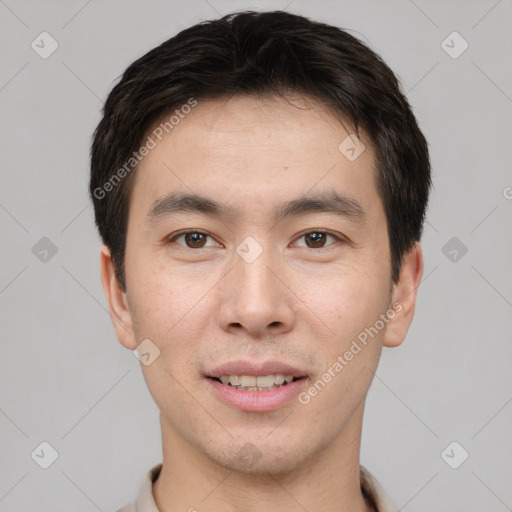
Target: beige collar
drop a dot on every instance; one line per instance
(372, 490)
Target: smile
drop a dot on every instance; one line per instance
(255, 387)
(256, 383)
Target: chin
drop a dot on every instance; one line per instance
(259, 458)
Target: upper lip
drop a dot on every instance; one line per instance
(256, 369)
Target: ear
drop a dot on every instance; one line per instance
(117, 301)
(404, 297)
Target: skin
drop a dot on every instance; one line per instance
(294, 303)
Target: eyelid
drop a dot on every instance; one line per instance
(174, 236)
(335, 235)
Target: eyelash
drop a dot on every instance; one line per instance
(181, 233)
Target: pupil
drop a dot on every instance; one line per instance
(317, 239)
(194, 239)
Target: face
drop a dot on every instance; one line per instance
(256, 249)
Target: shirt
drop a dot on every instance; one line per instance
(370, 487)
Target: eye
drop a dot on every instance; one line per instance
(317, 239)
(192, 239)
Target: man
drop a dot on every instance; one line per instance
(260, 185)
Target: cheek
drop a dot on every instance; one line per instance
(350, 304)
(349, 357)
(174, 312)
(347, 299)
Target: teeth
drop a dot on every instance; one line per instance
(247, 381)
(265, 381)
(234, 380)
(252, 383)
(279, 379)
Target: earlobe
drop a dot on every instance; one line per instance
(404, 297)
(117, 301)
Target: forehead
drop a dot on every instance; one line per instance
(252, 151)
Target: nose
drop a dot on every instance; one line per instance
(256, 299)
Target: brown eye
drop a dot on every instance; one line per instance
(318, 239)
(315, 239)
(192, 240)
(195, 240)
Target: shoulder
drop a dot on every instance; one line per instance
(144, 501)
(374, 493)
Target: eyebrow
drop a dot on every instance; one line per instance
(320, 202)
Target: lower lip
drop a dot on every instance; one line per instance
(257, 401)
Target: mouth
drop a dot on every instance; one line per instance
(254, 387)
(256, 383)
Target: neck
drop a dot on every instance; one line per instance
(326, 482)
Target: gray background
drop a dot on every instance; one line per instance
(66, 380)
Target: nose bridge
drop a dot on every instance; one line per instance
(252, 272)
(257, 300)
